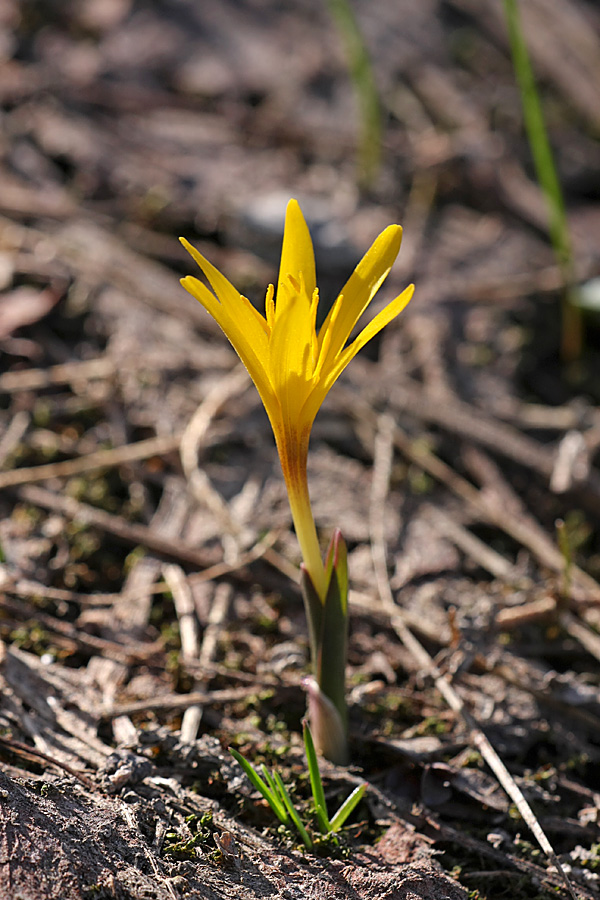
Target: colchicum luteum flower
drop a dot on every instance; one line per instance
(294, 365)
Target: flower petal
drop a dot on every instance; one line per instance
(237, 305)
(297, 254)
(290, 352)
(223, 288)
(360, 289)
(250, 343)
(202, 294)
(331, 373)
(376, 324)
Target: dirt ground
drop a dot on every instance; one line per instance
(149, 610)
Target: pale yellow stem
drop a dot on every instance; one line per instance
(306, 533)
(293, 455)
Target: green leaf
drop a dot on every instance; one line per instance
(293, 812)
(333, 643)
(273, 785)
(547, 176)
(330, 556)
(347, 807)
(315, 780)
(267, 792)
(340, 565)
(328, 631)
(313, 605)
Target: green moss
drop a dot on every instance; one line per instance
(432, 725)
(31, 636)
(419, 481)
(132, 558)
(42, 413)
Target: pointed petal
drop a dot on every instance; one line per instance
(243, 326)
(223, 288)
(325, 336)
(236, 304)
(331, 374)
(252, 312)
(202, 294)
(297, 255)
(252, 348)
(290, 355)
(360, 289)
(382, 319)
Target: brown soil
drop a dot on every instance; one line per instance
(150, 617)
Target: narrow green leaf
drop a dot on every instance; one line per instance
(347, 807)
(269, 779)
(293, 812)
(315, 780)
(273, 785)
(330, 556)
(328, 632)
(536, 131)
(257, 782)
(547, 177)
(313, 606)
(340, 564)
(333, 643)
(365, 87)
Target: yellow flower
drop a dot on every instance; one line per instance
(292, 365)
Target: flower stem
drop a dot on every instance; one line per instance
(306, 533)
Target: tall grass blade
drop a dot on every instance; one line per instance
(271, 782)
(315, 781)
(292, 811)
(347, 807)
(547, 177)
(361, 73)
(269, 794)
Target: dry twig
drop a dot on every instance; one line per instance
(384, 444)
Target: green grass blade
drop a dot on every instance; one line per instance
(361, 73)
(293, 812)
(270, 795)
(315, 780)
(273, 785)
(536, 130)
(347, 807)
(547, 177)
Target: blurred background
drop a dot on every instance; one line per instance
(145, 120)
(127, 123)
